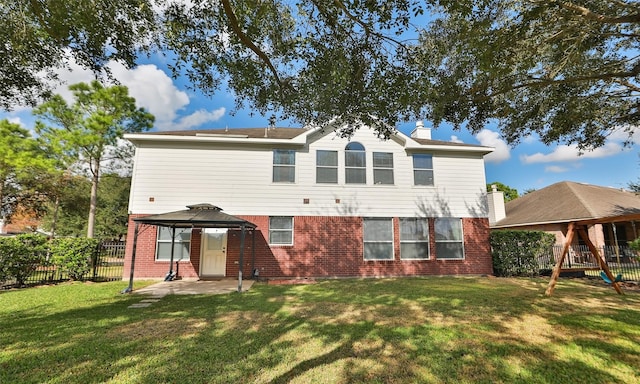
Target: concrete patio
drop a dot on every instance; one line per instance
(194, 287)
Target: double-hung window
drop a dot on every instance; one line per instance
(281, 230)
(284, 166)
(355, 164)
(382, 168)
(378, 239)
(449, 244)
(414, 238)
(181, 244)
(327, 167)
(422, 169)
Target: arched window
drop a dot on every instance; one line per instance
(355, 163)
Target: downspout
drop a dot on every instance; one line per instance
(253, 253)
(129, 289)
(242, 234)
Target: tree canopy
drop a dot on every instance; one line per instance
(509, 193)
(40, 36)
(22, 164)
(565, 71)
(88, 130)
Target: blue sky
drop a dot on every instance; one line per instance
(530, 165)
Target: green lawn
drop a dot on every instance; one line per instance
(431, 330)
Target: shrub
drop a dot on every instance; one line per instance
(516, 253)
(73, 256)
(20, 256)
(635, 244)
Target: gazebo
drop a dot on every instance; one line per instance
(195, 216)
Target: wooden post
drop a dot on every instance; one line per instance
(600, 260)
(558, 266)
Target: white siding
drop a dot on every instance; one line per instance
(238, 179)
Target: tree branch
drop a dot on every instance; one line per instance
(543, 82)
(367, 27)
(590, 15)
(233, 22)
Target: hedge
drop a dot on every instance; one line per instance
(516, 253)
(20, 256)
(73, 256)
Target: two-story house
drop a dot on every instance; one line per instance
(312, 204)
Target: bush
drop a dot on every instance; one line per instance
(73, 256)
(516, 253)
(20, 256)
(635, 244)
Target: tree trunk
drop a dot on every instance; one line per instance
(2, 216)
(55, 216)
(94, 199)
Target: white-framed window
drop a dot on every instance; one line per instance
(284, 166)
(422, 169)
(281, 230)
(327, 167)
(355, 164)
(382, 168)
(378, 238)
(181, 244)
(414, 238)
(449, 238)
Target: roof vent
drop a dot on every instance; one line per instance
(203, 207)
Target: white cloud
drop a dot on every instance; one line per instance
(153, 90)
(455, 139)
(556, 169)
(16, 120)
(198, 118)
(490, 138)
(572, 153)
(619, 134)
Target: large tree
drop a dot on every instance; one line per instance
(566, 71)
(40, 36)
(69, 216)
(89, 129)
(22, 169)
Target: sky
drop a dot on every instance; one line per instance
(525, 167)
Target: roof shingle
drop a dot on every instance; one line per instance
(569, 201)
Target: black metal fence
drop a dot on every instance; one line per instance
(106, 264)
(621, 260)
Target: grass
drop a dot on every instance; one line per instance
(428, 330)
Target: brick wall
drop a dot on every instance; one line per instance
(146, 265)
(323, 247)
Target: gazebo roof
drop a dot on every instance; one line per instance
(196, 216)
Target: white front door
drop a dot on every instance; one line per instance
(214, 252)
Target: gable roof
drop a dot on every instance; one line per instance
(250, 133)
(568, 201)
(288, 136)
